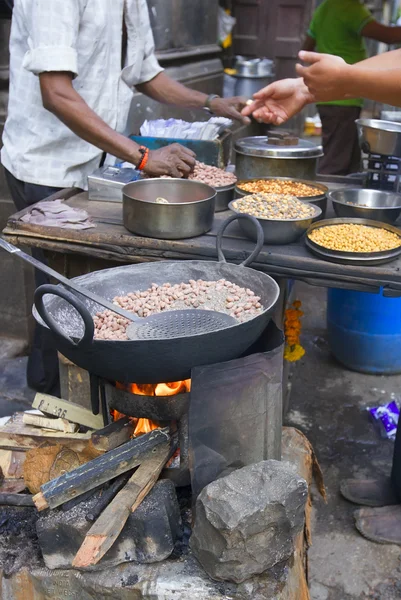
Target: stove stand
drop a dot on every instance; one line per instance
(383, 172)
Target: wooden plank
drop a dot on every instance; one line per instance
(48, 423)
(113, 435)
(15, 434)
(108, 527)
(99, 470)
(63, 409)
(12, 463)
(12, 486)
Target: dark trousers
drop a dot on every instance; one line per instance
(42, 370)
(342, 154)
(396, 469)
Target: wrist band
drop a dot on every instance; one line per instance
(209, 100)
(145, 156)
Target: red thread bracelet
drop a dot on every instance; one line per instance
(145, 157)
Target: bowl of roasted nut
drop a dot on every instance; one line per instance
(306, 191)
(283, 218)
(355, 241)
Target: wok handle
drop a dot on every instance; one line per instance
(259, 243)
(83, 312)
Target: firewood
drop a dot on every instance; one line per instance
(12, 486)
(113, 435)
(98, 471)
(12, 463)
(108, 527)
(15, 434)
(107, 496)
(48, 423)
(16, 500)
(67, 410)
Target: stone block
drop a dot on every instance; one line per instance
(148, 536)
(247, 522)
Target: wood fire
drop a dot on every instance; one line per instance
(150, 389)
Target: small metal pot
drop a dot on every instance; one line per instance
(190, 211)
(257, 157)
(379, 137)
(224, 195)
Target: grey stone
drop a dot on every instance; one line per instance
(148, 536)
(246, 522)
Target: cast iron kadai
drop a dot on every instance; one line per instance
(164, 325)
(153, 361)
(353, 258)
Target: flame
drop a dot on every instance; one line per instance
(150, 389)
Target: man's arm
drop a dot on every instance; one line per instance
(381, 33)
(60, 98)
(168, 91)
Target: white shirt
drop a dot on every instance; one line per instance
(85, 38)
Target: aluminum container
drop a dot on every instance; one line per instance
(190, 211)
(277, 231)
(379, 137)
(319, 200)
(366, 204)
(224, 195)
(257, 158)
(252, 75)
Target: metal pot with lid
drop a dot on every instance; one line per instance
(280, 154)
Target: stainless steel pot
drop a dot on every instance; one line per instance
(224, 195)
(252, 74)
(275, 156)
(190, 211)
(379, 137)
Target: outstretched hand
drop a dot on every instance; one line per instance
(324, 76)
(279, 101)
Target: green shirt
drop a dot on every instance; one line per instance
(336, 28)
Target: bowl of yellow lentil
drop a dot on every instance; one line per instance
(355, 241)
(284, 218)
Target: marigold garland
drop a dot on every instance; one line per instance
(292, 329)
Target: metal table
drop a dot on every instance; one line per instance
(109, 244)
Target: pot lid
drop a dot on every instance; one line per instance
(278, 145)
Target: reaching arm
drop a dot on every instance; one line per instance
(381, 33)
(168, 91)
(60, 98)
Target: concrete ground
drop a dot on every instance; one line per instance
(328, 403)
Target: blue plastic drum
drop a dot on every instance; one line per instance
(364, 331)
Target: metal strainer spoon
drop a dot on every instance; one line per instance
(164, 325)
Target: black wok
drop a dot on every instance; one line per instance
(69, 316)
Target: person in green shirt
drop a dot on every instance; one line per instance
(339, 27)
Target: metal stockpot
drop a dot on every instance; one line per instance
(190, 211)
(379, 137)
(278, 155)
(252, 74)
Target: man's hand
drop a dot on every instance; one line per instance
(230, 108)
(326, 76)
(279, 101)
(174, 160)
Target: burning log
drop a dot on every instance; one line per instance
(113, 435)
(108, 527)
(98, 471)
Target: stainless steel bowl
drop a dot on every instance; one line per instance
(319, 200)
(224, 195)
(379, 137)
(277, 231)
(190, 211)
(366, 204)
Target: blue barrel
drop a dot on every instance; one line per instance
(364, 331)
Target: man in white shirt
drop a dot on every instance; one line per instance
(71, 81)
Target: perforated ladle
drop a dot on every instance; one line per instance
(164, 325)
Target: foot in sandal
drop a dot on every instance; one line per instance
(381, 525)
(369, 492)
